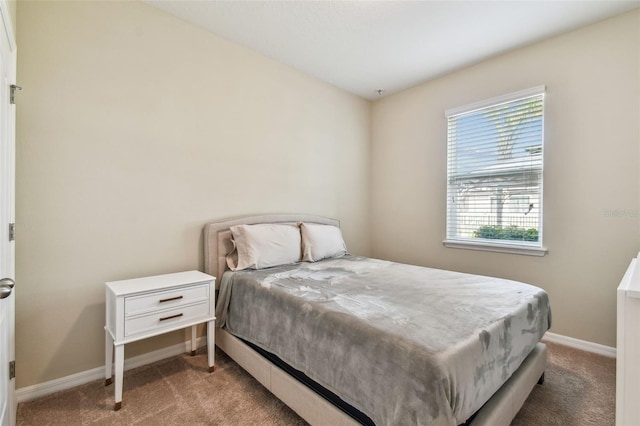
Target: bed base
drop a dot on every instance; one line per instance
(499, 410)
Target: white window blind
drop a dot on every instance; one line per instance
(494, 170)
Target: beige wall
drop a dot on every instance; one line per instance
(591, 170)
(134, 130)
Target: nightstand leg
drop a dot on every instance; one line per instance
(108, 357)
(193, 340)
(211, 344)
(119, 371)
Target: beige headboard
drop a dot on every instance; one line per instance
(217, 237)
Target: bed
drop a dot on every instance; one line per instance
(344, 339)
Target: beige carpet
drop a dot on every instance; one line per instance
(579, 390)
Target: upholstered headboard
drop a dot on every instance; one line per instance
(217, 237)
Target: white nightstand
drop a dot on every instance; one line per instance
(145, 307)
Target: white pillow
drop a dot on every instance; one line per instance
(321, 241)
(264, 245)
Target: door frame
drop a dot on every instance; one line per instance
(7, 194)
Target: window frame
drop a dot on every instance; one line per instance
(500, 246)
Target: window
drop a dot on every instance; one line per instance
(494, 174)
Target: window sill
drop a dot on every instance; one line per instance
(496, 247)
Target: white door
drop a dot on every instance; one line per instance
(7, 201)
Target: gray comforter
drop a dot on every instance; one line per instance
(403, 344)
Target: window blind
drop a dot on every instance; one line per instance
(494, 170)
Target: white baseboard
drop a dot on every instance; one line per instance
(42, 389)
(28, 393)
(583, 345)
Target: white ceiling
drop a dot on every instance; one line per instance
(362, 46)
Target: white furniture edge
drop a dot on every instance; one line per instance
(499, 410)
(39, 390)
(628, 341)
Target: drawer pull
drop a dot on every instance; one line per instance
(170, 299)
(172, 316)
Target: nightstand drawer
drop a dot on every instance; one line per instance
(166, 299)
(166, 319)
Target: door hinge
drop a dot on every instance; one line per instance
(12, 231)
(12, 370)
(12, 94)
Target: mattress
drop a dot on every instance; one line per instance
(401, 343)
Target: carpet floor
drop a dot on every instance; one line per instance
(579, 390)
